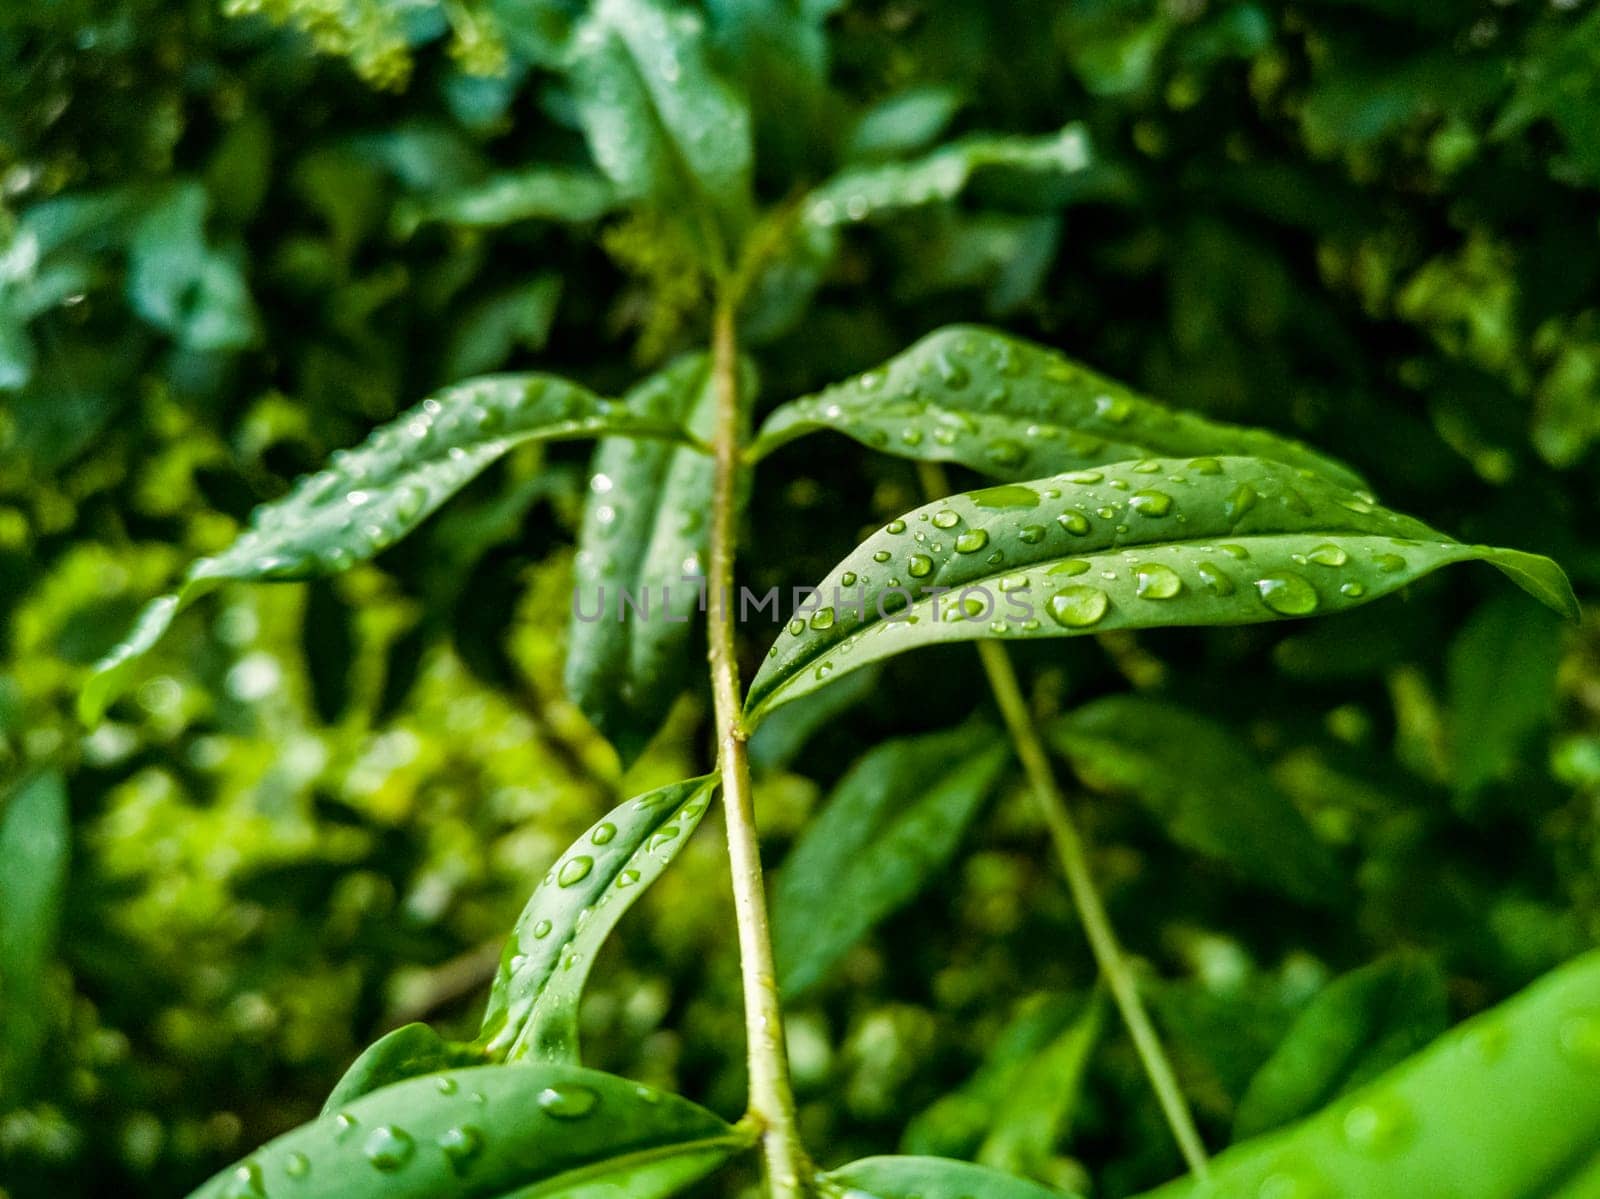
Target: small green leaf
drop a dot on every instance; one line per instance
(1204, 786)
(533, 1005)
(1014, 410)
(930, 1178)
(1357, 1027)
(35, 841)
(537, 194)
(1505, 1106)
(1151, 544)
(889, 827)
(406, 1052)
(493, 328)
(488, 1132)
(370, 497)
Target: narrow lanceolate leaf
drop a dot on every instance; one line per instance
(1014, 410)
(375, 494)
(1149, 544)
(930, 1178)
(1357, 1027)
(1204, 786)
(533, 1005)
(406, 1052)
(34, 844)
(891, 824)
(488, 1132)
(536, 194)
(1036, 1110)
(641, 563)
(1504, 1106)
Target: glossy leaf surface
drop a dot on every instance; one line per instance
(890, 825)
(1149, 544)
(1504, 1106)
(533, 1004)
(1015, 410)
(35, 840)
(490, 1131)
(930, 1178)
(536, 194)
(1355, 1028)
(406, 1052)
(370, 497)
(1202, 784)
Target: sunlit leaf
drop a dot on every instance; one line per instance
(931, 1178)
(533, 1005)
(1502, 1107)
(371, 496)
(888, 828)
(492, 1131)
(1014, 410)
(35, 841)
(406, 1052)
(1150, 544)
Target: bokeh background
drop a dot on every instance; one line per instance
(1371, 223)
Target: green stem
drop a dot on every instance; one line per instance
(771, 1096)
(1070, 849)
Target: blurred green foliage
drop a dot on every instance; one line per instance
(232, 242)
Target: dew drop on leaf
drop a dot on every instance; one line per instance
(1008, 495)
(389, 1148)
(574, 870)
(920, 566)
(1075, 523)
(1078, 607)
(567, 1102)
(1287, 594)
(460, 1145)
(971, 541)
(1328, 555)
(822, 619)
(1150, 503)
(1215, 580)
(945, 519)
(1156, 581)
(604, 833)
(297, 1165)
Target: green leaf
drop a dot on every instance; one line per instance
(406, 1052)
(35, 842)
(533, 1005)
(488, 1132)
(1036, 1110)
(182, 285)
(1504, 1106)
(930, 1178)
(780, 739)
(537, 194)
(1014, 410)
(663, 126)
(889, 827)
(904, 122)
(1151, 544)
(492, 329)
(1202, 784)
(371, 496)
(1357, 1027)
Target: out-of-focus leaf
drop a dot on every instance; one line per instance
(1558, 84)
(370, 497)
(492, 329)
(533, 1005)
(930, 1178)
(1150, 544)
(406, 1052)
(889, 827)
(1202, 784)
(180, 284)
(903, 123)
(536, 194)
(777, 53)
(35, 841)
(1356, 1027)
(776, 743)
(492, 1131)
(1036, 1110)
(1014, 410)
(1442, 1122)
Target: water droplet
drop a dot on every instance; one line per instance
(408, 504)
(1075, 523)
(1115, 409)
(848, 579)
(1205, 466)
(895, 526)
(920, 566)
(822, 619)
(798, 626)
(604, 833)
(952, 372)
(1389, 563)
(1150, 503)
(1006, 452)
(388, 1148)
(446, 1085)
(460, 1145)
(1240, 500)
(1296, 502)
(297, 1165)
(1031, 534)
(1292, 1184)
(1008, 495)
(881, 556)
(627, 879)
(1105, 513)
(1328, 555)
(1235, 551)
(245, 1183)
(945, 519)
(1071, 567)
(1287, 594)
(1352, 590)
(1078, 607)
(567, 1102)
(1157, 581)
(1216, 582)
(343, 1125)
(1014, 583)
(1081, 476)
(574, 870)
(972, 541)
(1379, 1125)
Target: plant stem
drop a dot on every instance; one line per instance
(771, 1096)
(1070, 848)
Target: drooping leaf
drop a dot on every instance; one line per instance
(642, 548)
(930, 1178)
(1014, 410)
(1202, 784)
(370, 497)
(536, 194)
(1503, 1106)
(34, 845)
(491, 1131)
(890, 825)
(1150, 544)
(533, 1004)
(1354, 1029)
(404, 1053)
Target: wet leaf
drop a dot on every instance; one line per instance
(1036, 1110)
(931, 1178)
(406, 1052)
(536, 194)
(35, 842)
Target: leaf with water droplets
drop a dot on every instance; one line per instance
(35, 842)
(930, 1178)
(1202, 784)
(533, 1004)
(489, 1132)
(537, 194)
(370, 497)
(1244, 540)
(1014, 410)
(889, 827)
(1504, 1106)
(1355, 1028)
(405, 1052)
(641, 563)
